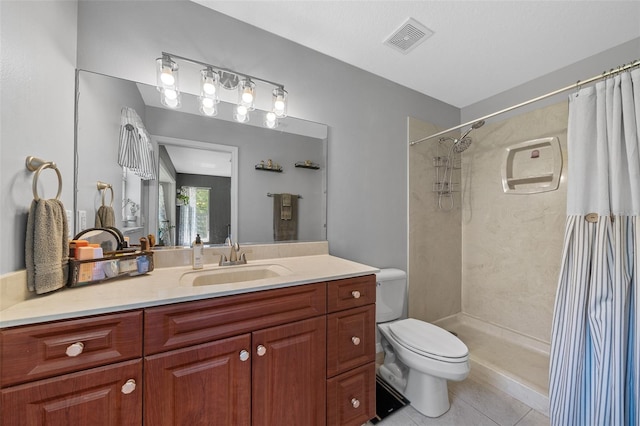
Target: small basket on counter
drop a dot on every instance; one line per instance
(114, 265)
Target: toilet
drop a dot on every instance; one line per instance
(419, 357)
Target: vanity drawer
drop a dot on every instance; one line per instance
(101, 396)
(351, 397)
(185, 324)
(351, 339)
(351, 293)
(46, 350)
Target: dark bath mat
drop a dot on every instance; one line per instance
(388, 400)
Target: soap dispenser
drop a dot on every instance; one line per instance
(198, 253)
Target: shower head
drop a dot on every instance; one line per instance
(474, 126)
(461, 145)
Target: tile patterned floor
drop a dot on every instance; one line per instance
(473, 404)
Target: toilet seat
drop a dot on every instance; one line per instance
(429, 340)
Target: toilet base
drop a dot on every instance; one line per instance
(393, 377)
(428, 394)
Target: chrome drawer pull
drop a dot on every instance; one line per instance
(355, 403)
(244, 355)
(75, 349)
(355, 294)
(261, 350)
(355, 340)
(129, 387)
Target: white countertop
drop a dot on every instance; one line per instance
(162, 286)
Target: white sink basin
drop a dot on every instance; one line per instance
(233, 274)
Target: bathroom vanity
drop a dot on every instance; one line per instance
(274, 351)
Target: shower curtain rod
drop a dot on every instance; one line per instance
(530, 101)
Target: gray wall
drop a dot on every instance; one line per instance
(367, 164)
(37, 76)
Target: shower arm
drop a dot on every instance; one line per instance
(576, 85)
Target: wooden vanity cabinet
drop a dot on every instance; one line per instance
(73, 372)
(259, 359)
(301, 355)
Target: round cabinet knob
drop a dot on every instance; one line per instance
(244, 355)
(355, 340)
(129, 387)
(355, 403)
(261, 350)
(75, 349)
(355, 294)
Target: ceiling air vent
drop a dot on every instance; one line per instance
(408, 36)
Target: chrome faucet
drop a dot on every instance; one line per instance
(235, 256)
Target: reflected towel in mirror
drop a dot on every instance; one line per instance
(105, 217)
(285, 218)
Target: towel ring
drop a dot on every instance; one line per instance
(102, 187)
(38, 165)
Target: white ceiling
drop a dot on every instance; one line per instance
(199, 161)
(478, 49)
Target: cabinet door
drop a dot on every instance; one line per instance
(208, 384)
(289, 374)
(103, 396)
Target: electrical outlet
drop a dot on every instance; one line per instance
(70, 223)
(82, 220)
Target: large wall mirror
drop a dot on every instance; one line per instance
(204, 177)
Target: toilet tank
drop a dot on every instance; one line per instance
(391, 292)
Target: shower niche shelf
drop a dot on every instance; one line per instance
(532, 166)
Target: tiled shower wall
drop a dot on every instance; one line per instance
(512, 243)
(495, 256)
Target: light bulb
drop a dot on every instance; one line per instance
(207, 103)
(167, 77)
(270, 120)
(171, 102)
(170, 94)
(209, 111)
(279, 105)
(242, 110)
(247, 96)
(209, 88)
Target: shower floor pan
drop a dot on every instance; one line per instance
(516, 364)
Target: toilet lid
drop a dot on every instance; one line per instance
(429, 340)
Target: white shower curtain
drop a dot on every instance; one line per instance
(595, 347)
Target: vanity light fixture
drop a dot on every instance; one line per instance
(167, 74)
(214, 78)
(279, 102)
(241, 114)
(209, 88)
(246, 93)
(270, 120)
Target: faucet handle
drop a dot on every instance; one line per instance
(223, 259)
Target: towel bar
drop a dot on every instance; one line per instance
(271, 195)
(35, 164)
(102, 187)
